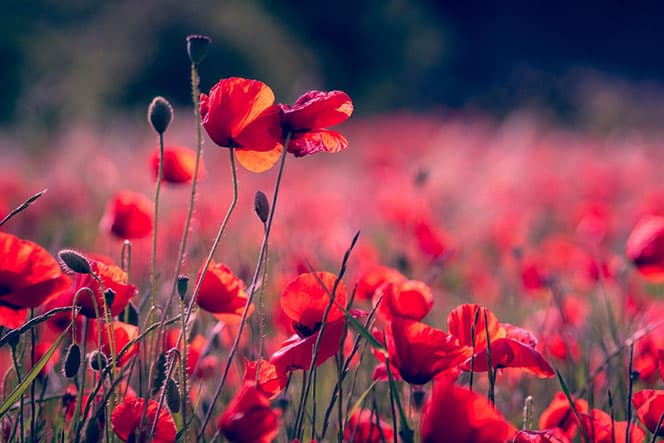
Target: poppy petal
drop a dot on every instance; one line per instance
(317, 140)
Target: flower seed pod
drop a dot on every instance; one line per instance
(261, 206)
(182, 283)
(172, 396)
(74, 262)
(97, 360)
(72, 360)
(158, 373)
(197, 47)
(160, 114)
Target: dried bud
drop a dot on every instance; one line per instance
(158, 373)
(197, 47)
(72, 360)
(98, 360)
(261, 206)
(74, 261)
(183, 281)
(172, 396)
(109, 297)
(160, 114)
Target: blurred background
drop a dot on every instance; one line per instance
(78, 61)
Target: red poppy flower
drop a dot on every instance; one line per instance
(600, 428)
(460, 324)
(373, 279)
(29, 276)
(403, 298)
(308, 118)
(660, 355)
(457, 414)
(645, 247)
(222, 293)
(547, 436)
(305, 300)
(430, 240)
(420, 351)
(122, 334)
(296, 352)
(559, 414)
(366, 427)
(113, 278)
(126, 418)
(128, 216)
(649, 405)
(270, 380)
(195, 348)
(249, 418)
(179, 164)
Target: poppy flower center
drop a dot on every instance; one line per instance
(304, 330)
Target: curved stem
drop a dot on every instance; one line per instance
(254, 282)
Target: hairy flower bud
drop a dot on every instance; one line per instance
(72, 360)
(261, 206)
(160, 114)
(74, 261)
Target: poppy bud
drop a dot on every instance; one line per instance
(98, 360)
(109, 297)
(158, 373)
(261, 206)
(172, 396)
(72, 360)
(183, 281)
(197, 47)
(73, 261)
(160, 113)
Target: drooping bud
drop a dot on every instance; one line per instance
(172, 396)
(183, 281)
(158, 373)
(72, 360)
(197, 47)
(261, 206)
(74, 261)
(98, 360)
(160, 114)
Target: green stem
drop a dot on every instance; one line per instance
(153, 274)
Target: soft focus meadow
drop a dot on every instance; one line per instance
(246, 270)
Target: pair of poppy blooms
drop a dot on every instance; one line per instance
(241, 113)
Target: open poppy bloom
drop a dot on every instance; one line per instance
(307, 119)
(241, 113)
(29, 276)
(270, 380)
(195, 349)
(249, 418)
(456, 414)
(305, 300)
(128, 216)
(179, 164)
(373, 279)
(366, 427)
(559, 414)
(645, 247)
(649, 405)
(297, 352)
(510, 353)
(460, 324)
(113, 278)
(403, 298)
(420, 351)
(126, 418)
(601, 428)
(222, 292)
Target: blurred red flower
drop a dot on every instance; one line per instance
(128, 216)
(366, 427)
(126, 418)
(546, 436)
(195, 349)
(270, 380)
(29, 276)
(601, 428)
(559, 414)
(113, 278)
(420, 351)
(373, 278)
(305, 300)
(649, 405)
(403, 298)
(308, 118)
(510, 353)
(249, 418)
(179, 164)
(122, 334)
(645, 247)
(456, 414)
(222, 292)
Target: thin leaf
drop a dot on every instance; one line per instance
(360, 400)
(23, 206)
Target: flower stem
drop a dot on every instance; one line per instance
(153, 274)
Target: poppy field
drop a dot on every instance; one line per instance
(246, 270)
